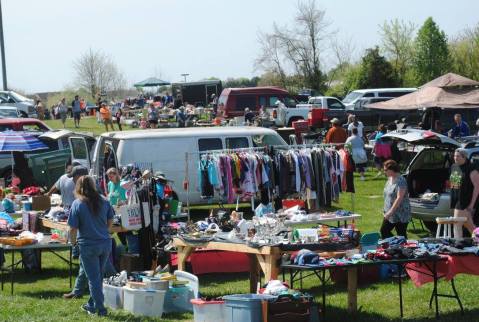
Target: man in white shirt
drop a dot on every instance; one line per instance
(356, 124)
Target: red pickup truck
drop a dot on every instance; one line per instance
(23, 124)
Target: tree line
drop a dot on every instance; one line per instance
(407, 56)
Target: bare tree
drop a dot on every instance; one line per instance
(270, 59)
(96, 72)
(397, 44)
(342, 52)
(299, 45)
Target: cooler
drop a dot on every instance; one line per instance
(245, 307)
(208, 311)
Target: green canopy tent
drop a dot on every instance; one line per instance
(151, 82)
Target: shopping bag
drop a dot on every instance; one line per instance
(131, 213)
(359, 156)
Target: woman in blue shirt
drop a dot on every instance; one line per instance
(90, 220)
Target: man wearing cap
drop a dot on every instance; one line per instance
(65, 186)
(336, 133)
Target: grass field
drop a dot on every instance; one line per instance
(38, 296)
(87, 124)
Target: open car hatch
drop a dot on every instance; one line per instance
(423, 138)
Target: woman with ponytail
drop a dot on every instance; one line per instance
(90, 220)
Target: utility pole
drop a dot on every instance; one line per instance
(184, 75)
(2, 49)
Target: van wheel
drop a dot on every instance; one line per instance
(23, 114)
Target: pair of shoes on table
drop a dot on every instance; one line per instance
(91, 311)
(71, 295)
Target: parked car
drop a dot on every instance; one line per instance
(23, 124)
(167, 149)
(429, 171)
(10, 111)
(24, 104)
(49, 164)
(319, 109)
(351, 99)
(233, 101)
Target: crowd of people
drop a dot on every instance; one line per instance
(464, 175)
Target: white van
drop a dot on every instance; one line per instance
(351, 99)
(165, 150)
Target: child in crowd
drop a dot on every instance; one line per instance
(9, 204)
(143, 123)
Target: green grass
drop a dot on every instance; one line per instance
(38, 296)
(87, 124)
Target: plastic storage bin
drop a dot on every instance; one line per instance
(113, 296)
(178, 299)
(245, 307)
(156, 283)
(208, 311)
(145, 302)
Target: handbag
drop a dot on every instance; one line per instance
(131, 213)
(359, 156)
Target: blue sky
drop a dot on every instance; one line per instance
(169, 37)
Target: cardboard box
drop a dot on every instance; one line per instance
(40, 203)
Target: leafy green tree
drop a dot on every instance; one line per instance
(431, 55)
(398, 45)
(464, 51)
(375, 71)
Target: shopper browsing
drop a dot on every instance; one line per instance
(397, 210)
(90, 220)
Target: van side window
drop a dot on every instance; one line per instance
(245, 101)
(209, 144)
(392, 94)
(236, 143)
(368, 95)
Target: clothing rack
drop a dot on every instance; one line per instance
(188, 155)
(318, 145)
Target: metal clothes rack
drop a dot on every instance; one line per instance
(194, 153)
(318, 145)
(250, 149)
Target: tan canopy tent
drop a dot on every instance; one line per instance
(449, 91)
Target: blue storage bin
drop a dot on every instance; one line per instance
(244, 307)
(178, 300)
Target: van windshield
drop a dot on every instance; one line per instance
(351, 97)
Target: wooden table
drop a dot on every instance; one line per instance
(265, 259)
(61, 225)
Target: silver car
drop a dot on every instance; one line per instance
(428, 172)
(24, 104)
